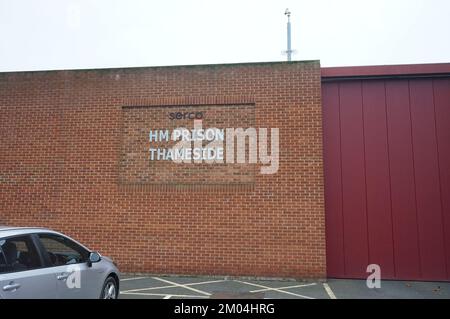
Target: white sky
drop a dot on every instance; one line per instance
(80, 34)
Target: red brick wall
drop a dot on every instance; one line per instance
(61, 144)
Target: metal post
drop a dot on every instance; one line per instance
(289, 49)
(289, 52)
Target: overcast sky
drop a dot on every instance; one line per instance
(80, 34)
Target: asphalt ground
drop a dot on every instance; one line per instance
(197, 287)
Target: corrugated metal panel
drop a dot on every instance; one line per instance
(387, 177)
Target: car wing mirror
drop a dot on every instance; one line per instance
(94, 257)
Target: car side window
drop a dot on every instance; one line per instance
(62, 251)
(18, 254)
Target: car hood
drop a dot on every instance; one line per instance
(107, 259)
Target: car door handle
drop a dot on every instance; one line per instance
(11, 287)
(62, 276)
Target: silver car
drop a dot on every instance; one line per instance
(41, 263)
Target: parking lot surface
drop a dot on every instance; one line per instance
(178, 287)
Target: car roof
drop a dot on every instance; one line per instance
(7, 231)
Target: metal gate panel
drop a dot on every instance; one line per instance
(387, 176)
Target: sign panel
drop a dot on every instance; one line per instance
(150, 134)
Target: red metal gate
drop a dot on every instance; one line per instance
(387, 171)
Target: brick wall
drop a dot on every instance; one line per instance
(63, 141)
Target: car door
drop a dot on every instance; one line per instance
(68, 261)
(22, 275)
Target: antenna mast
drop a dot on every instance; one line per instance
(289, 49)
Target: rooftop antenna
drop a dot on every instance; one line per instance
(289, 50)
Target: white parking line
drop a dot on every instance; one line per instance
(188, 286)
(287, 287)
(135, 278)
(161, 295)
(182, 286)
(274, 289)
(150, 288)
(329, 291)
(172, 286)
